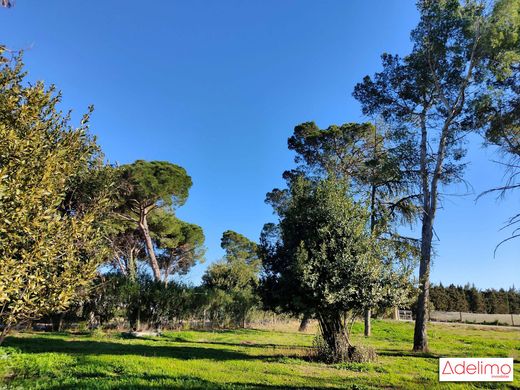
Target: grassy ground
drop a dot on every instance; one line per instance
(241, 359)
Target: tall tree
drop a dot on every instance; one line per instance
(366, 157)
(427, 95)
(145, 187)
(54, 196)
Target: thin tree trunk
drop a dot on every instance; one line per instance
(143, 226)
(368, 325)
(4, 333)
(373, 193)
(420, 340)
(132, 267)
(305, 323)
(420, 343)
(57, 322)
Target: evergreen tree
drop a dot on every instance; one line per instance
(54, 197)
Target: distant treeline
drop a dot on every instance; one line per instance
(471, 299)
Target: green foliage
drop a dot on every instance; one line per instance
(469, 298)
(149, 183)
(372, 159)
(339, 151)
(115, 299)
(322, 254)
(180, 245)
(239, 248)
(502, 38)
(497, 110)
(322, 258)
(233, 281)
(54, 194)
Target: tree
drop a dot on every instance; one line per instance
(239, 248)
(321, 257)
(145, 187)
(497, 110)
(439, 298)
(427, 95)
(180, 244)
(456, 298)
(237, 274)
(52, 227)
(365, 156)
(475, 300)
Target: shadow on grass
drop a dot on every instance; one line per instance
(174, 382)
(402, 353)
(92, 347)
(180, 339)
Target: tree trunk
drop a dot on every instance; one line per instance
(335, 336)
(57, 322)
(305, 323)
(4, 333)
(420, 339)
(143, 226)
(132, 266)
(368, 325)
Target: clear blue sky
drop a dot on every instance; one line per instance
(218, 87)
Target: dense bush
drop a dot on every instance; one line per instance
(117, 301)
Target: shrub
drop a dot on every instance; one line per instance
(343, 351)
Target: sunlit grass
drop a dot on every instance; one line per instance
(238, 359)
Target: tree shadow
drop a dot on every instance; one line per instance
(403, 353)
(92, 347)
(175, 382)
(237, 344)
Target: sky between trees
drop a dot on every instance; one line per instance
(221, 95)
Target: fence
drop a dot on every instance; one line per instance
(405, 315)
(475, 318)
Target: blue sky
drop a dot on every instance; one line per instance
(218, 87)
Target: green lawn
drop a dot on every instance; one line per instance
(240, 359)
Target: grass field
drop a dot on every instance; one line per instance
(241, 359)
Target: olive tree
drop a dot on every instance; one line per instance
(322, 257)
